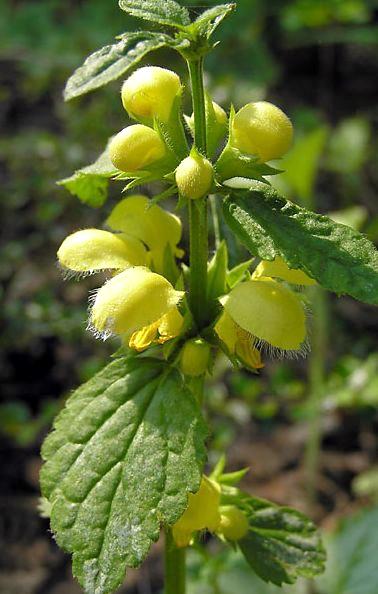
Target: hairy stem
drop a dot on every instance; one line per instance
(174, 562)
(198, 208)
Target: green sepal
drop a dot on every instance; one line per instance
(113, 61)
(215, 131)
(163, 12)
(238, 273)
(123, 455)
(233, 478)
(163, 195)
(233, 163)
(173, 132)
(217, 274)
(90, 184)
(282, 544)
(339, 258)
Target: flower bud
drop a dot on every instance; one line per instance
(234, 523)
(94, 249)
(195, 357)
(277, 268)
(268, 311)
(136, 147)
(220, 116)
(132, 300)
(202, 512)
(262, 129)
(194, 176)
(150, 92)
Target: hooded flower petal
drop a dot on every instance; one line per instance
(202, 512)
(151, 224)
(278, 268)
(94, 249)
(132, 300)
(268, 311)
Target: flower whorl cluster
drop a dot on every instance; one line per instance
(139, 301)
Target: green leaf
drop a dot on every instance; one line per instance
(210, 19)
(173, 133)
(90, 184)
(282, 544)
(339, 258)
(352, 556)
(164, 12)
(113, 61)
(124, 453)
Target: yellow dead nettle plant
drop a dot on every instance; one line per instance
(150, 92)
(202, 513)
(135, 304)
(267, 311)
(92, 250)
(262, 129)
(138, 217)
(277, 268)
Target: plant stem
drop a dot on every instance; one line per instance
(198, 94)
(316, 385)
(198, 208)
(174, 561)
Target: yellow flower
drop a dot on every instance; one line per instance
(268, 311)
(150, 92)
(238, 341)
(194, 176)
(233, 524)
(277, 268)
(133, 300)
(149, 223)
(93, 249)
(202, 513)
(262, 129)
(194, 358)
(136, 147)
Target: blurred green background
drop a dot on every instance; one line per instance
(306, 428)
